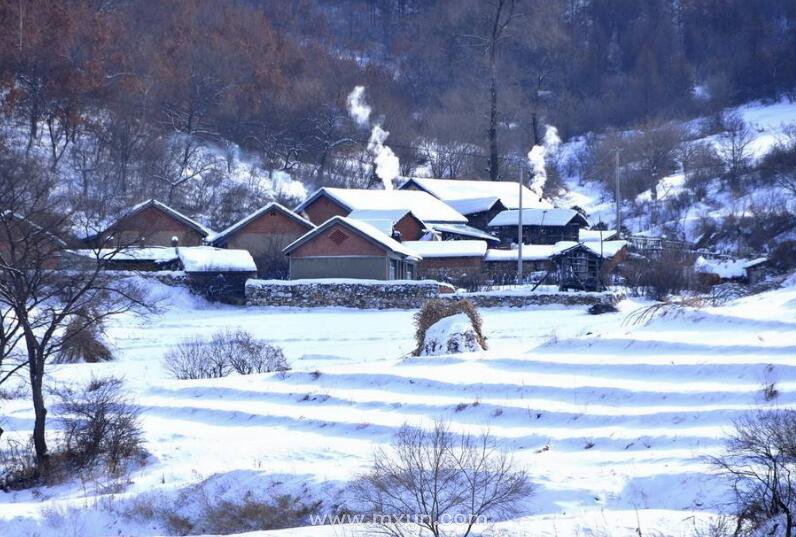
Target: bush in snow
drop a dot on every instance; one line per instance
(246, 355)
(227, 351)
(759, 461)
(100, 431)
(474, 481)
(444, 327)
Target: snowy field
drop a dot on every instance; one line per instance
(612, 420)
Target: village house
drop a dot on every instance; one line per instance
(150, 223)
(23, 242)
(713, 270)
(479, 201)
(346, 248)
(587, 266)
(539, 226)
(326, 203)
(458, 262)
(264, 234)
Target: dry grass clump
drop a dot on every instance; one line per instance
(84, 344)
(435, 310)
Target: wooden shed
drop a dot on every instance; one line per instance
(587, 266)
(539, 226)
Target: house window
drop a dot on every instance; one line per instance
(338, 237)
(410, 271)
(393, 270)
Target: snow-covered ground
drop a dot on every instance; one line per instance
(612, 420)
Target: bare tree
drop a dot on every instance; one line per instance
(428, 478)
(760, 463)
(42, 298)
(734, 150)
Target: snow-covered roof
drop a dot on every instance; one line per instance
(384, 220)
(473, 205)
(363, 228)
(210, 259)
(240, 224)
(606, 249)
(423, 205)
(507, 192)
(93, 231)
(537, 217)
(723, 268)
(530, 252)
(464, 230)
(437, 249)
(588, 235)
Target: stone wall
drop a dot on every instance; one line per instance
(508, 300)
(361, 294)
(373, 294)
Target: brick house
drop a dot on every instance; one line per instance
(264, 234)
(151, 223)
(458, 262)
(539, 226)
(326, 203)
(347, 248)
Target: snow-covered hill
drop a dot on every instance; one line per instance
(612, 420)
(768, 123)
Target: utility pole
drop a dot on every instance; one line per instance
(617, 194)
(519, 226)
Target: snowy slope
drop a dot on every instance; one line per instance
(767, 122)
(607, 417)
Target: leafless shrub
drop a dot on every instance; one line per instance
(100, 424)
(227, 351)
(84, 344)
(658, 275)
(18, 464)
(722, 526)
(430, 477)
(246, 355)
(191, 359)
(435, 310)
(759, 462)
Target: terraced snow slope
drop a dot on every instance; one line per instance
(612, 420)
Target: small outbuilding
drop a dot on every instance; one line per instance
(347, 248)
(587, 266)
(217, 273)
(757, 270)
(264, 234)
(501, 264)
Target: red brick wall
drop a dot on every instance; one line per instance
(322, 209)
(409, 227)
(452, 262)
(157, 228)
(323, 245)
(451, 268)
(274, 222)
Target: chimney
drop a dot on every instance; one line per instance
(175, 242)
(396, 235)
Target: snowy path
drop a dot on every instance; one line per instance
(605, 416)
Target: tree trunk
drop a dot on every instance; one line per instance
(494, 172)
(40, 411)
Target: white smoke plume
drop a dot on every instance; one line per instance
(358, 109)
(537, 156)
(387, 164)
